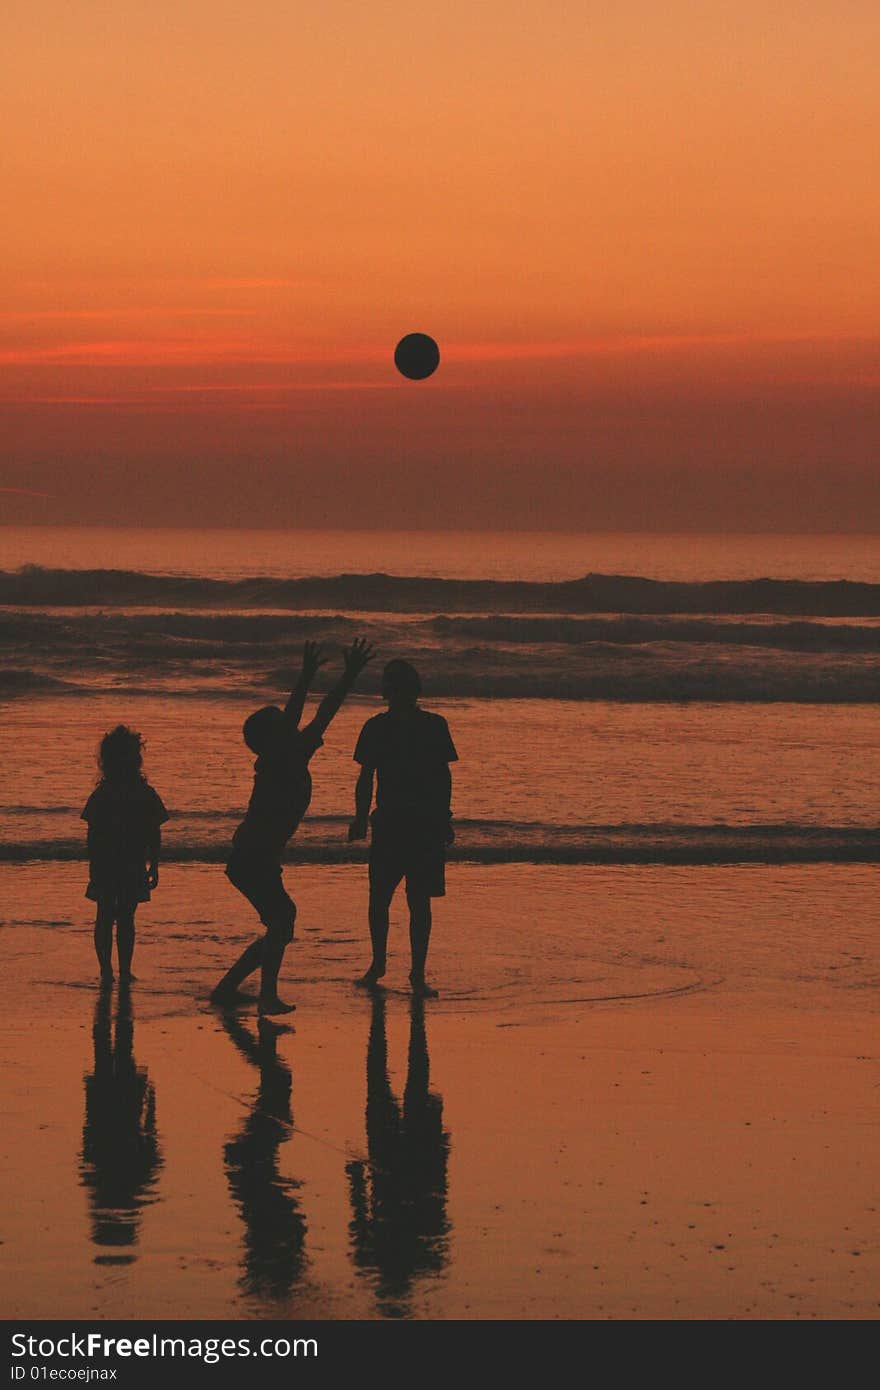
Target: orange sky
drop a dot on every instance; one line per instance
(645, 237)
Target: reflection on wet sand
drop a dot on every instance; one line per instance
(399, 1228)
(274, 1258)
(121, 1157)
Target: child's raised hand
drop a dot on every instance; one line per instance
(312, 659)
(357, 655)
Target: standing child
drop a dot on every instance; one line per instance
(123, 814)
(408, 751)
(280, 798)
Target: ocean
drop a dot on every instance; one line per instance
(614, 698)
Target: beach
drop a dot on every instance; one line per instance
(679, 1120)
(648, 1088)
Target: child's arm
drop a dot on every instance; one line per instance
(444, 790)
(312, 661)
(363, 800)
(157, 816)
(444, 781)
(355, 657)
(153, 847)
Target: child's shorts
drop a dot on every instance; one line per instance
(420, 859)
(260, 882)
(120, 891)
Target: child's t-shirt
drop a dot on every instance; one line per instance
(123, 819)
(280, 797)
(410, 752)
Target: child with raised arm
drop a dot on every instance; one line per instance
(280, 798)
(123, 814)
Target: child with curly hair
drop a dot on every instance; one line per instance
(123, 815)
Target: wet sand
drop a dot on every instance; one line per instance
(644, 1092)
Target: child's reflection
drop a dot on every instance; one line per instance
(275, 1228)
(399, 1227)
(121, 1157)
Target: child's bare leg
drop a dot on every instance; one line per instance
(419, 937)
(125, 942)
(250, 960)
(104, 941)
(380, 904)
(278, 936)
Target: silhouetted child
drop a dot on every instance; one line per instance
(123, 814)
(280, 798)
(409, 750)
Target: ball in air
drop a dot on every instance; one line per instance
(416, 356)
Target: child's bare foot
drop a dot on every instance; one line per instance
(422, 989)
(274, 1005)
(370, 978)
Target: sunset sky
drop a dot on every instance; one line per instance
(645, 237)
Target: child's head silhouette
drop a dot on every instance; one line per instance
(262, 728)
(120, 755)
(400, 683)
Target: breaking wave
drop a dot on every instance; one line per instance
(25, 681)
(637, 631)
(72, 632)
(36, 586)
